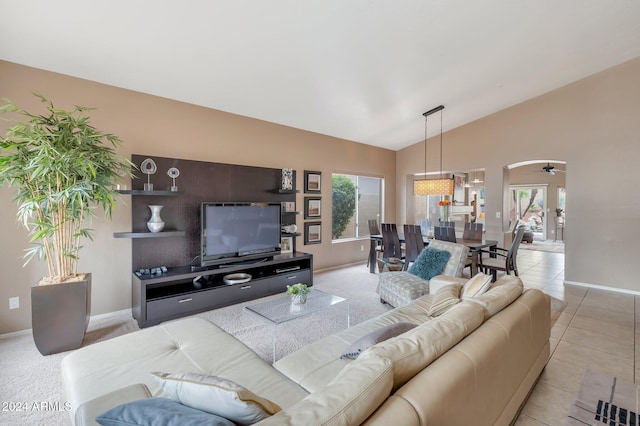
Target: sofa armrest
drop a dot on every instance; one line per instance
(440, 281)
(87, 412)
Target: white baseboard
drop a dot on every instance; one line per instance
(92, 318)
(603, 287)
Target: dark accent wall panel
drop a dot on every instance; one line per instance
(199, 181)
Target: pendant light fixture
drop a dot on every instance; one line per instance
(426, 186)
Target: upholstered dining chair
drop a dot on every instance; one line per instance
(448, 224)
(502, 259)
(445, 233)
(413, 244)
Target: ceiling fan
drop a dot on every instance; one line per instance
(551, 169)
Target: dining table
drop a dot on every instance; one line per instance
(475, 246)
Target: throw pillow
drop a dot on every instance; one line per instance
(429, 263)
(158, 411)
(443, 299)
(477, 285)
(376, 336)
(216, 395)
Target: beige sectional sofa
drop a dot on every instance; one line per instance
(474, 364)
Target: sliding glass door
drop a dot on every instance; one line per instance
(528, 206)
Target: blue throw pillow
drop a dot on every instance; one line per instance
(429, 263)
(158, 411)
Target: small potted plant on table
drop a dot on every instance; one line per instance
(298, 293)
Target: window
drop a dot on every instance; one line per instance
(356, 199)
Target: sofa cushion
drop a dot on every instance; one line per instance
(188, 344)
(445, 298)
(158, 411)
(379, 335)
(216, 395)
(501, 294)
(317, 363)
(416, 349)
(477, 285)
(430, 262)
(356, 392)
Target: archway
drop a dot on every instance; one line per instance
(535, 197)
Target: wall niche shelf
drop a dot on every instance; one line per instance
(162, 234)
(285, 191)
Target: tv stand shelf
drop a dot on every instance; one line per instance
(161, 234)
(182, 291)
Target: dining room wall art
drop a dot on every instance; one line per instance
(312, 182)
(312, 233)
(312, 207)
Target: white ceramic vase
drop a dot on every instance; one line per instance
(155, 224)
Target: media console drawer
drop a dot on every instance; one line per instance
(180, 305)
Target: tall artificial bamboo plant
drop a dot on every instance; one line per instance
(63, 169)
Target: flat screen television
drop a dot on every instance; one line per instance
(237, 231)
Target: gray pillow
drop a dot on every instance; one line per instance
(158, 411)
(376, 336)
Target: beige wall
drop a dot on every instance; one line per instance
(161, 127)
(592, 124)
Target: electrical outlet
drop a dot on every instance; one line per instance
(361, 247)
(14, 302)
(497, 215)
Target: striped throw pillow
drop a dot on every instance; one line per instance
(446, 297)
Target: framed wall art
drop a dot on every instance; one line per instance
(312, 182)
(288, 206)
(312, 233)
(286, 244)
(312, 207)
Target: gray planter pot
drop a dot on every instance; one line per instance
(60, 315)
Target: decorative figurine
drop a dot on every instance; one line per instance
(173, 173)
(287, 179)
(148, 167)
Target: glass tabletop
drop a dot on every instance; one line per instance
(281, 309)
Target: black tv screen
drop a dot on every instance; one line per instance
(235, 231)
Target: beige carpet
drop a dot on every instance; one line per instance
(33, 383)
(605, 400)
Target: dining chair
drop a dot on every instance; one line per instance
(472, 231)
(501, 259)
(374, 229)
(445, 233)
(449, 224)
(413, 244)
(391, 248)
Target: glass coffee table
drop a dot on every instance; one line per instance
(280, 310)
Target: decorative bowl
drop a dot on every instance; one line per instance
(238, 278)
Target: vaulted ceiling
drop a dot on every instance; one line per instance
(362, 70)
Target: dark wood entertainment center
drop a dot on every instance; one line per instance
(187, 288)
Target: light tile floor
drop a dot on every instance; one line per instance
(597, 331)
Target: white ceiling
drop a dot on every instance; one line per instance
(363, 70)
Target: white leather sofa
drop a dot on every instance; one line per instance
(474, 364)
